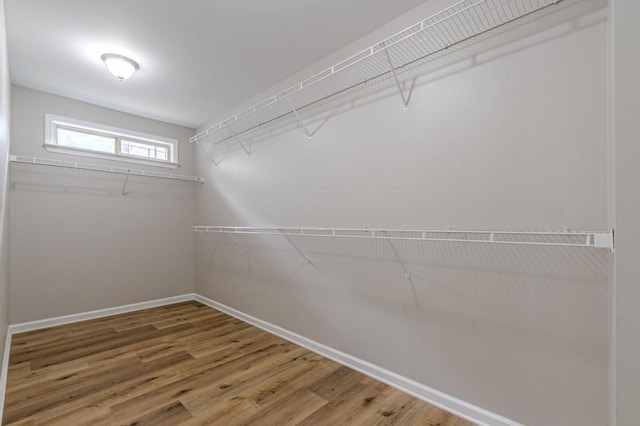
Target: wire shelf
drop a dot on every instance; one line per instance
(104, 169)
(592, 239)
(426, 42)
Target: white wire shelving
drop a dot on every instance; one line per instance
(124, 171)
(106, 169)
(427, 41)
(588, 239)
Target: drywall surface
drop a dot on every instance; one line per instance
(5, 88)
(626, 104)
(77, 244)
(512, 141)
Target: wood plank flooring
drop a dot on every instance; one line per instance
(188, 364)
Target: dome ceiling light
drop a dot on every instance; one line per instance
(120, 66)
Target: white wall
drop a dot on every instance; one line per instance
(5, 88)
(626, 127)
(76, 244)
(518, 142)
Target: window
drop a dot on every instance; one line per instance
(77, 138)
(145, 149)
(71, 136)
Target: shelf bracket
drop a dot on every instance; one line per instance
(244, 249)
(407, 275)
(301, 125)
(213, 254)
(215, 163)
(323, 122)
(124, 186)
(239, 244)
(235, 136)
(306, 259)
(405, 98)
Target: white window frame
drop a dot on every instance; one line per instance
(52, 122)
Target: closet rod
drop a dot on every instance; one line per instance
(106, 169)
(593, 239)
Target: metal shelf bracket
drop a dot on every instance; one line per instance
(213, 253)
(235, 136)
(239, 244)
(407, 275)
(405, 98)
(244, 249)
(215, 163)
(301, 125)
(306, 259)
(126, 181)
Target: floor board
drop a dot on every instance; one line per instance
(188, 364)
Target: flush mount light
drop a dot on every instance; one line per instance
(120, 66)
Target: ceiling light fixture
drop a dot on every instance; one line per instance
(120, 66)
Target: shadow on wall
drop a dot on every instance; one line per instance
(311, 116)
(553, 293)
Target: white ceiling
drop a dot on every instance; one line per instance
(198, 58)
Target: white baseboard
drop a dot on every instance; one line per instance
(432, 396)
(83, 316)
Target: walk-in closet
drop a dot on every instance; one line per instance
(367, 212)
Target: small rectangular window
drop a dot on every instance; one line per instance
(77, 137)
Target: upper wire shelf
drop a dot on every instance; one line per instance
(426, 41)
(593, 239)
(106, 169)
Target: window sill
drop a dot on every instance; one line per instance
(107, 156)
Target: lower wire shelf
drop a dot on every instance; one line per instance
(22, 159)
(588, 239)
